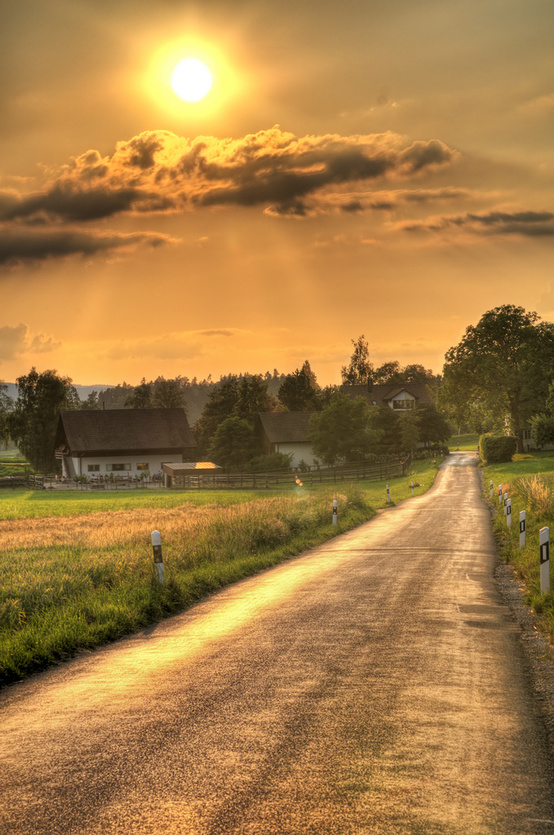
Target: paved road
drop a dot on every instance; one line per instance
(374, 685)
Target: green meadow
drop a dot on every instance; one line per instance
(529, 482)
(77, 571)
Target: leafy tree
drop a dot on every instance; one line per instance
(502, 367)
(360, 369)
(233, 444)
(253, 398)
(409, 430)
(91, 403)
(140, 397)
(297, 393)
(6, 405)
(33, 421)
(343, 430)
(387, 421)
(221, 405)
(432, 426)
(168, 394)
(542, 430)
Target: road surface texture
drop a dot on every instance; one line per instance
(375, 684)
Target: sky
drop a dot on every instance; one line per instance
(375, 167)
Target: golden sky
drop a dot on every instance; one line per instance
(363, 167)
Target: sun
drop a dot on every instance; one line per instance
(191, 80)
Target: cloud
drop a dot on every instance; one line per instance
(181, 345)
(30, 244)
(523, 223)
(159, 171)
(16, 340)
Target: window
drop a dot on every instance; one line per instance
(117, 468)
(143, 466)
(403, 404)
(93, 468)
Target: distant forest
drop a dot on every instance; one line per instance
(196, 392)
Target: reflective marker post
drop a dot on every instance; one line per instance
(544, 544)
(335, 511)
(158, 560)
(492, 489)
(509, 513)
(499, 494)
(388, 494)
(522, 528)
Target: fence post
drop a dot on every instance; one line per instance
(522, 528)
(158, 560)
(544, 545)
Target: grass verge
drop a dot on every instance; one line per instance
(529, 482)
(74, 580)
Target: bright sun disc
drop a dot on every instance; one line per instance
(191, 79)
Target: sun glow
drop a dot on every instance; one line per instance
(191, 80)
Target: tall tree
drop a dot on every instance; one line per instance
(6, 405)
(32, 423)
(360, 369)
(343, 430)
(168, 394)
(233, 444)
(297, 393)
(221, 404)
(502, 366)
(140, 397)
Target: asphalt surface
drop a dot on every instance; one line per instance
(375, 684)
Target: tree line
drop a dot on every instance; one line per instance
(499, 378)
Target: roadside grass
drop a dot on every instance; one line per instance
(464, 442)
(77, 579)
(529, 482)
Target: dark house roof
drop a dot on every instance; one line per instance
(381, 395)
(286, 427)
(125, 431)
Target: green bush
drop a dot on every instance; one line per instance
(497, 449)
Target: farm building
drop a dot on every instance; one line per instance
(189, 473)
(287, 432)
(122, 442)
(398, 397)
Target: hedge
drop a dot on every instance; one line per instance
(497, 449)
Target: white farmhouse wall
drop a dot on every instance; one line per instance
(81, 465)
(300, 452)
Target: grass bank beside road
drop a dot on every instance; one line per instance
(529, 482)
(77, 571)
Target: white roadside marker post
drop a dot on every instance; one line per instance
(505, 502)
(499, 494)
(509, 513)
(412, 486)
(544, 544)
(335, 511)
(522, 528)
(158, 560)
(388, 494)
(492, 489)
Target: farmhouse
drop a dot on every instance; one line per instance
(287, 432)
(122, 442)
(398, 397)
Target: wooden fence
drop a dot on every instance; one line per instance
(225, 481)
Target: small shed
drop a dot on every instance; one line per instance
(189, 473)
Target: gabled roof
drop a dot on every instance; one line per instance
(286, 427)
(111, 431)
(382, 394)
